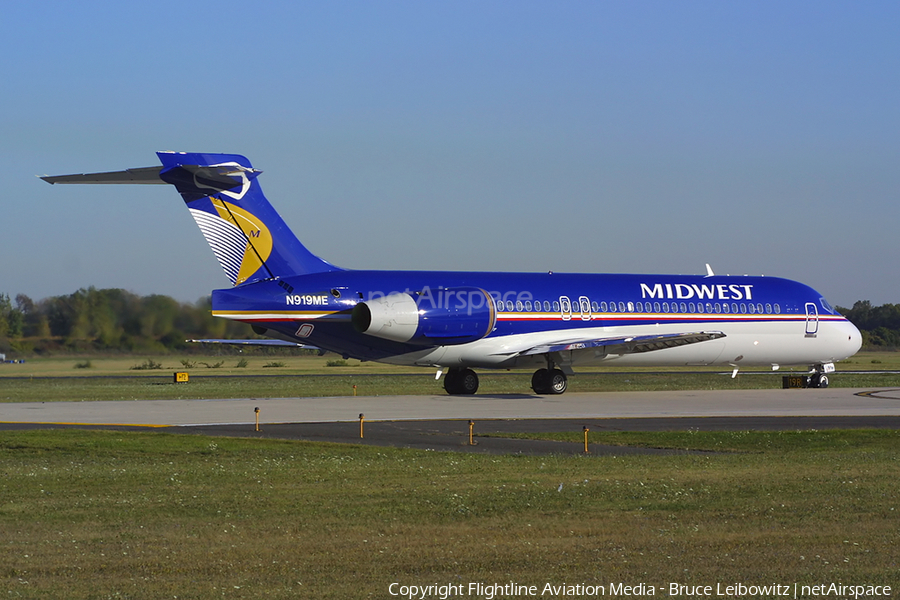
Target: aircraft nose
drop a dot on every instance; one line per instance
(854, 339)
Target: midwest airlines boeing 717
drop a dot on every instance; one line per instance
(457, 321)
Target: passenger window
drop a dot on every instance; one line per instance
(759, 308)
(519, 305)
(621, 307)
(509, 305)
(546, 306)
(640, 307)
(499, 305)
(631, 307)
(734, 307)
(603, 306)
(719, 308)
(692, 308)
(595, 307)
(656, 307)
(709, 307)
(665, 307)
(528, 305)
(612, 307)
(556, 306)
(743, 308)
(777, 309)
(683, 307)
(768, 308)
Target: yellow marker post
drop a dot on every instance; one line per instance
(471, 435)
(586, 430)
(362, 418)
(256, 410)
(354, 390)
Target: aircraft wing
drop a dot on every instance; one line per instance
(282, 343)
(623, 344)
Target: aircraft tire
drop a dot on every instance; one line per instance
(451, 381)
(819, 380)
(540, 382)
(558, 382)
(468, 382)
(461, 382)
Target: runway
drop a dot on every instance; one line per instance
(441, 422)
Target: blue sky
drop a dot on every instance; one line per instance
(760, 137)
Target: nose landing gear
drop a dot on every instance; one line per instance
(818, 377)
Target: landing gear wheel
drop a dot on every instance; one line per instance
(540, 382)
(546, 382)
(819, 380)
(558, 382)
(461, 382)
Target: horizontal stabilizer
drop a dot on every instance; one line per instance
(193, 179)
(143, 175)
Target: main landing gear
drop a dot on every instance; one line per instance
(461, 382)
(464, 382)
(549, 381)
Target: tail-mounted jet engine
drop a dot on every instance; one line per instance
(441, 317)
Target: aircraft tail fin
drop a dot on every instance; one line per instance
(248, 237)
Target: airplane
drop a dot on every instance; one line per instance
(455, 322)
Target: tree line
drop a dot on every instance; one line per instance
(880, 325)
(114, 320)
(110, 320)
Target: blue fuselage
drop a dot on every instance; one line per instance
(318, 309)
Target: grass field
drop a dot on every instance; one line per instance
(115, 378)
(94, 365)
(149, 515)
(94, 514)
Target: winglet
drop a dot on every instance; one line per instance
(709, 271)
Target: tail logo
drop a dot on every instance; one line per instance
(232, 169)
(239, 239)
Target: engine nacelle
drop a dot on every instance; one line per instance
(442, 317)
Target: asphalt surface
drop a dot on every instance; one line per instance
(442, 422)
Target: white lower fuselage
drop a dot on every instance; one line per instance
(770, 344)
